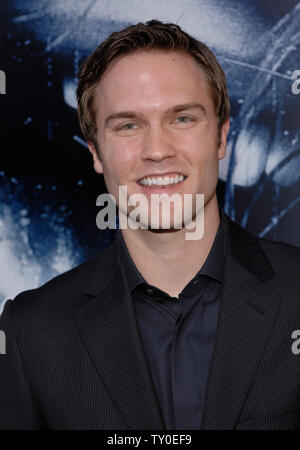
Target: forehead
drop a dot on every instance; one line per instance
(152, 78)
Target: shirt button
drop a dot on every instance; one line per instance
(149, 291)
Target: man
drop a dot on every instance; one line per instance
(158, 331)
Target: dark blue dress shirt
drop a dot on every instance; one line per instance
(178, 333)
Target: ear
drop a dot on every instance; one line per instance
(97, 161)
(223, 139)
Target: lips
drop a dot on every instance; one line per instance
(162, 180)
(168, 189)
(165, 174)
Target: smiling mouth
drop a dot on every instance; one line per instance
(161, 182)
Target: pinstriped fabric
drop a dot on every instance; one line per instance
(254, 376)
(75, 358)
(135, 391)
(16, 387)
(242, 331)
(66, 391)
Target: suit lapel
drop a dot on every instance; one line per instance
(247, 312)
(109, 331)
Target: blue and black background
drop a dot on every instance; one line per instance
(48, 187)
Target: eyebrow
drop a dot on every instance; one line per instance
(172, 110)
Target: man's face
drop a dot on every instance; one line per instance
(155, 116)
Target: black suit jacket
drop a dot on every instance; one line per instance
(75, 360)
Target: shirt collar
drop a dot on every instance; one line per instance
(213, 266)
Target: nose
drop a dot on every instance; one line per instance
(157, 144)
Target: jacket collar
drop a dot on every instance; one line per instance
(213, 266)
(247, 312)
(243, 247)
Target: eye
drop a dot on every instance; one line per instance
(183, 119)
(128, 126)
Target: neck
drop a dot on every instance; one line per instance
(168, 260)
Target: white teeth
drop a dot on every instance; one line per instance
(162, 181)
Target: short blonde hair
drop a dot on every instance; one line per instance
(146, 36)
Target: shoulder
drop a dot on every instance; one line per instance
(62, 295)
(285, 262)
(277, 262)
(281, 253)
(243, 241)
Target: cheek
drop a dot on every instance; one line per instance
(201, 136)
(202, 153)
(200, 148)
(119, 158)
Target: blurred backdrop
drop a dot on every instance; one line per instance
(48, 187)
